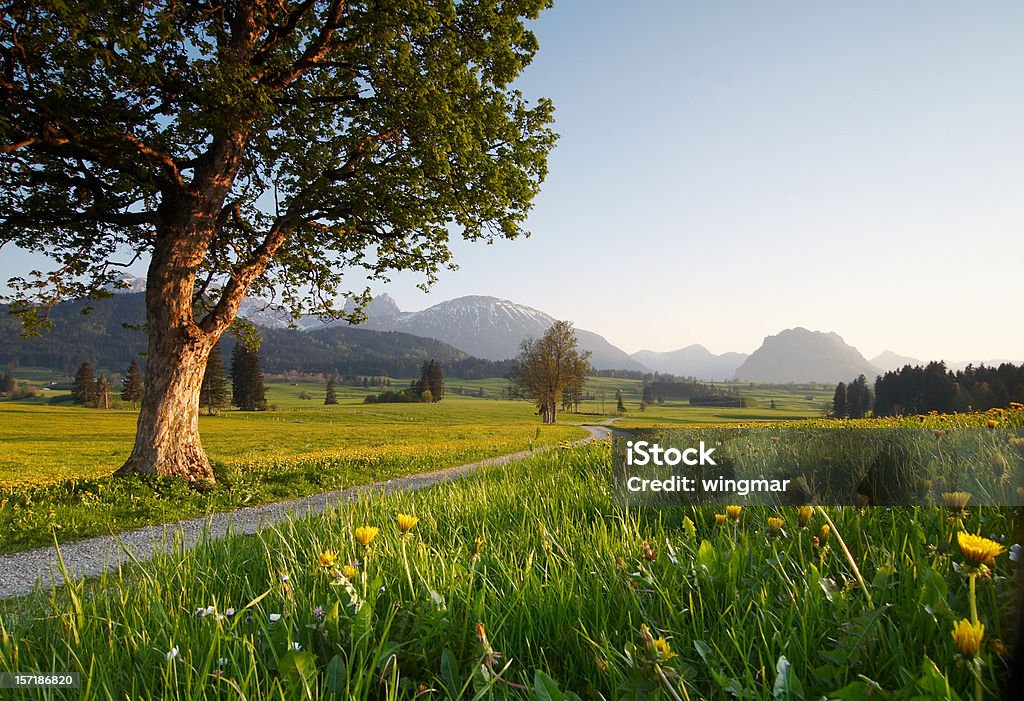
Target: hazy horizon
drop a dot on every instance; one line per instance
(728, 171)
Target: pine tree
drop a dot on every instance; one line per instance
(214, 392)
(620, 405)
(248, 391)
(84, 389)
(839, 401)
(331, 396)
(102, 392)
(132, 384)
(432, 381)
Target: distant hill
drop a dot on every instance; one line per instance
(799, 355)
(102, 339)
(887, 360)
(692, 361)
(487, 327)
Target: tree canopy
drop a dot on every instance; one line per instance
(255, 146)
(313, 136)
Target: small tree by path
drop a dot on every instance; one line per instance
(331, 395)
(546, 368)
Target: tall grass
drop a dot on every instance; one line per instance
(526, 580)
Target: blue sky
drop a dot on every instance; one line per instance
(730, 169)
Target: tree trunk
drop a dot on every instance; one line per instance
(167, 436)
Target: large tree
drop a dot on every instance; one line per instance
(546, 368)
(247, 145)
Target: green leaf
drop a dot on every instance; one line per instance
(707, 557)
(933, 683)
(337, 676)
(545, 688)
(450, 672)
(298, 667)
(859, 691)
(787, 685)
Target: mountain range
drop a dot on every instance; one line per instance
(487, 327)
(468, 331)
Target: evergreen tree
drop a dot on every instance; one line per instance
(248, 391)
(432, 380)
(84, 389)
(214, 391)
(839, 401)
(102, 392)
(132, 384)
(620, 405)
(331, 396)
(858, 398)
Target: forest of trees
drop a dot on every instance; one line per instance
(666, 387)
(919, 390)
(109, 337)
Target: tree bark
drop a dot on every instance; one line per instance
(167, 436)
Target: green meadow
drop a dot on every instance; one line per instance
(529, 580)
(525, 581)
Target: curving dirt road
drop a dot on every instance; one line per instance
(21, 572)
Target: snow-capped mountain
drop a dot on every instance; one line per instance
(487, 327)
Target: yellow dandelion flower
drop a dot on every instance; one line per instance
(327, 558)
(775, 524)
(956, 500)
(406, 522)
(350, 572)
(733, 512)
(720, 519)
(662, 649)
(992, 423)
(804, 513)
(967, 637)
(824, 533)
(365, 534)
(979, 550)
(478, 545)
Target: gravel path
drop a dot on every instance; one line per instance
(21, 572)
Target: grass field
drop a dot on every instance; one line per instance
(526, 582)
(56, 459)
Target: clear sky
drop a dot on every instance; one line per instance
(730, 169)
